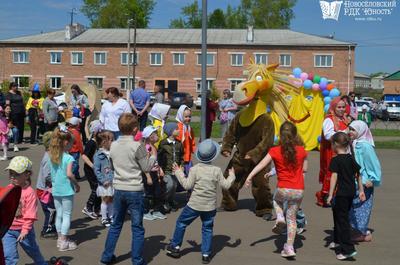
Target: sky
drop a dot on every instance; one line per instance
(378, 40)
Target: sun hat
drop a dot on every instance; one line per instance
(207, 151)
(170, 127)
(148, 131)
(20, 164)
(46, 138)
(73, 121)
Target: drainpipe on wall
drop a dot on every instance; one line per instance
(348, 71)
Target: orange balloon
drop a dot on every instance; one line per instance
(329, 87)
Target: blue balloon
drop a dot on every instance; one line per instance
(319, 138)
(334, 92)
(36, 87)
(297, 72)
(326, 108)
(323, 80)
(325, 93)
(327, 100)
(307, 84)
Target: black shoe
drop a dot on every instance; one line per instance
(166, 208)
(48, 233)
(112, 261)
(267, 216)
(205, 259)
(173, 251)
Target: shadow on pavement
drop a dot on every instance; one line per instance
(280, 240)
(85, 230)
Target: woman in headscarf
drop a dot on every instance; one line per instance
(186, 135)
(335, 121)
(364, 153)
(158, 115)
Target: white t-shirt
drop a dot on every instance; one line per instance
(110, 113)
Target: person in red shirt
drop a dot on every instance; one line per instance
(77, 145)
(211, 108)
(290, 159)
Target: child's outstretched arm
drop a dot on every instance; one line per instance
(187, 183)
(263, 163)
(332, 187)
(226, 183)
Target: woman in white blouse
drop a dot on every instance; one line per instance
(112, 109)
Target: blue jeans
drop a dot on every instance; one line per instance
(29, 245)
(15, 135)
(188, 215)
(64, 206)
(134, 202)
(75, 165)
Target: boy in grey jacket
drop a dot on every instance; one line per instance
(203, 179)
(129, 160)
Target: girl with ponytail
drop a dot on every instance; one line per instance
(64, 184)
(290, 159)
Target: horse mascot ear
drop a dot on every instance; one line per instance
(9, 201)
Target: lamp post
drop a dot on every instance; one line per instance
(203, 70)
(128, 61)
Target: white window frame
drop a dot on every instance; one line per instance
(50, 77)
(235, 58)
(156, 53)
(100, 52)
(235, 80)
(17, 58)
(89, 77)
(125, 54)
(208, 54)
(198, 84)
(265, 54)
(17, 77)
(285, 64)
(51, 57)
(318, 62)
(123, 79)
(72, 57)
(183, 54)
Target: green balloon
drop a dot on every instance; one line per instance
(316, 79)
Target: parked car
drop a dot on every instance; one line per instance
(197, 102)
(179, 98)
(369, 99)
(360, 103)
(393, 110)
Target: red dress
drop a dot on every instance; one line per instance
(326, 154)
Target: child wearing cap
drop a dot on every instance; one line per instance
(21, 230)
(93, 203)
(153, 179)
(77, 145)
(203, 179)
(43, 190)
(170, 151)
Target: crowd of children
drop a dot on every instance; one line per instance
(139, 173)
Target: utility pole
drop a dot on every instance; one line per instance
(203, 70)
(72, 13)
(134, 53)
(128, 61)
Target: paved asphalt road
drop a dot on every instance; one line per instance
(239, 237)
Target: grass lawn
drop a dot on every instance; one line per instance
(385, 132)
(387, 145)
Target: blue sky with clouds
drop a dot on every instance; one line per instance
(378, 42)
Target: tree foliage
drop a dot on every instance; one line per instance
(262, 14)
(115, 13)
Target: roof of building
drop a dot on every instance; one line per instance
(360, 75)
(394, 76)
(182, 36)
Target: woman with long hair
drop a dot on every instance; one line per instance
(290, 159)
(50, 111)
(336, 120)
(17, 116)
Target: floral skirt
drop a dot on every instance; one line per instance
(360, 212)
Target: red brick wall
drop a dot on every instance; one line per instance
(39, 66)
(391, 87)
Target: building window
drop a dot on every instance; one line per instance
(21, 57)
(77, 58)
(124, 83)
(156, 58)
(234, 83)
(285, 60)
(323, 60)
(178, 58)
(55, 57)
(260, 58)
(55, 82)
(124, 58)
(237, 59)
(210, 59)
(22, 81)
(97, 81)
(209, 85)
(100, 58)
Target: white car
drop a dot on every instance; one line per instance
(360, 103)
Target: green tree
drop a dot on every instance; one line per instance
(191, 17)
(217, 19)
(115, 13)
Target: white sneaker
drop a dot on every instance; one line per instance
(149, 217)
(16, 148)
(333, 245)
(159, 215)
(3, 158)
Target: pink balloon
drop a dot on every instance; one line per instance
(303, 76)
(315, 87)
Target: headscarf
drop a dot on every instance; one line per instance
(159, 111)
(332, 113)
(180, 118)
(364, 133)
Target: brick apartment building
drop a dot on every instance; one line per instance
(169, 57)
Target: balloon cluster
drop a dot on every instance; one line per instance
(317, 83)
